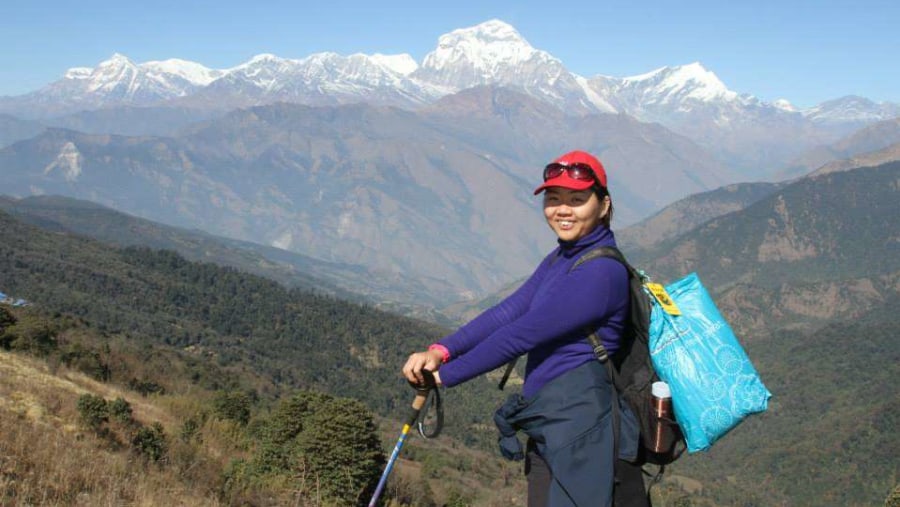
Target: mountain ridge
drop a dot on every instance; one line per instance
(688, 99)
(344, 183)
(484, 54)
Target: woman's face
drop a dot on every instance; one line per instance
(573, 214)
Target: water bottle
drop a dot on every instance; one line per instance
(663, 419)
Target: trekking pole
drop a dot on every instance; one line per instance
(417, 404)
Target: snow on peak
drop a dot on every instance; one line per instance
(116, 60)
(118, 79)
(262, 59)
(192, 72)
(784, 105)
(113, 74)
(686, 81)
(852, 108)
(489, 53)
(493, 53)
(78, 73)
(491, 30)
(403, 64)
(324, 56)
(486, 47)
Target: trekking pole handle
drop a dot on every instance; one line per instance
(428, 384)
(421, 394)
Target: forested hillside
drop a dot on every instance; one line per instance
(830, 434)
(346, 281)
(295, 338)
(91, 417)
(221, 354)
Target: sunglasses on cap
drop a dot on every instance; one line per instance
(576, 171)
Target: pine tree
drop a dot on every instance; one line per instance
(340, 446)
(893, 500)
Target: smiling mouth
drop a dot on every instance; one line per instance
(565, 224)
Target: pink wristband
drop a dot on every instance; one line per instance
(442, 349)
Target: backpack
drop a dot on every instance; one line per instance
(631, 369)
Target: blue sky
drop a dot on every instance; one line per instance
(804, 51)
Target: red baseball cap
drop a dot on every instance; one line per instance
(563, 179)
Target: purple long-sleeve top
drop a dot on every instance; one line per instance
(547, 318)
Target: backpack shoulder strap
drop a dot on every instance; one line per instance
(601, 251)
(599, 349)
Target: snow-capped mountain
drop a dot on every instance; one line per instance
(666, 91)
(751, 135)
(494, 53)
(120, 81)
(688, 99)
(852, 109)
(322, 78)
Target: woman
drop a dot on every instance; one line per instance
(566, 403)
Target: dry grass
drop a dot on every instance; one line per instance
(46, 459)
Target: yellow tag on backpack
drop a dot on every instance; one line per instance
(662, 297)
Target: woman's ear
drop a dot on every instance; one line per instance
(604, 206)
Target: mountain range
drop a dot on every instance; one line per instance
(419, 175)
(345, 184)
(691, 100)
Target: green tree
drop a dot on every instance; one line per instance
(893, 500)
(6, 319)
(283, 426)
(340, 447)
(288, 419)
(86, 360)
(233, 406)
(33, 335)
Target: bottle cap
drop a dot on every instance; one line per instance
(660, 390)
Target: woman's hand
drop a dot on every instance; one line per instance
(428, 360)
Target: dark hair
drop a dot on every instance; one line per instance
(602, 192)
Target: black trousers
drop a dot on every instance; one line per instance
(629, 482)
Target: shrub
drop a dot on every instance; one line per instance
(85, 360)
(120, 410)
(145, 387)
(233, 406)
(189, 429)
(92, 410)
(6, 319)
(150, 441)
(33, 335)
(457, 499)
